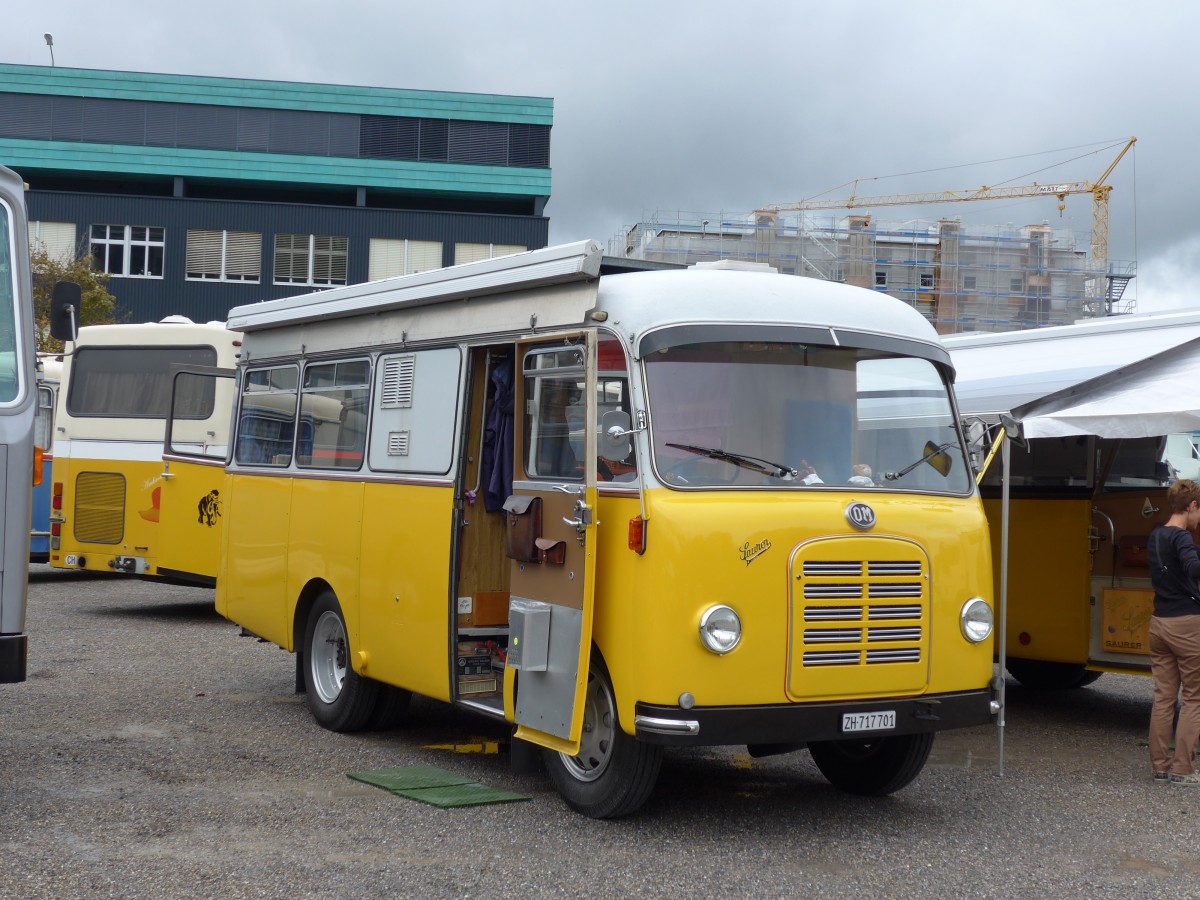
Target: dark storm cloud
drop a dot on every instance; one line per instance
(707, 107)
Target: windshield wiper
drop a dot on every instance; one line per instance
(753, 463)
(935, 455)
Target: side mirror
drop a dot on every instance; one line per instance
(615, 429)
(65, 304)
(1013, 431)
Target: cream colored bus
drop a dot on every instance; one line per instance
(621, 512)
(117, 504)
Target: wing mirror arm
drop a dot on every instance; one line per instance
(617, 432)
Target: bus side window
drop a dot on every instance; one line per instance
(331, 407)
(554, 429)
(267, 421)
(550, 426)
(612, 393)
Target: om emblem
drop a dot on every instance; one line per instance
(860, 516)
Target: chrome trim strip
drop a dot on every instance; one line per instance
(666, 726)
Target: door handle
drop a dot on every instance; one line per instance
(583, 518)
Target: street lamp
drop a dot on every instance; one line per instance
(50, 43)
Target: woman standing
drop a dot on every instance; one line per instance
(1175, 636)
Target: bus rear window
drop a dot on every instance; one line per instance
(123, 382)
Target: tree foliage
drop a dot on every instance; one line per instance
(98, 305)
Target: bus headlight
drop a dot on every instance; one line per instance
(720, 629)
(976, 620)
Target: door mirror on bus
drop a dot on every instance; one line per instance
(65, 303)
(615, 429)
(1013, 431)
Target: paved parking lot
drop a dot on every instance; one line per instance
(154, 751)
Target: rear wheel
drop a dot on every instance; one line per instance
(340, 699)
(1050, 676)
(613, 773)
(872, 767)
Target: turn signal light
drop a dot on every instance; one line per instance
(637, 534)
(56, 496)
(38, 453)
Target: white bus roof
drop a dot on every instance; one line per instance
(996, 373)
(561, 287)
(154, 333)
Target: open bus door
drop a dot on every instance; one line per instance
(551, 540)
(195, 450)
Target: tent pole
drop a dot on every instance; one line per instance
(1002, 624)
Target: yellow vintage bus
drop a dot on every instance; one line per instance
(1086, 488)
(621, 512)
(117, 503)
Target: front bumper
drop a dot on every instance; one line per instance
(800, 723)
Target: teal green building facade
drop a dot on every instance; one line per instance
(197, 194)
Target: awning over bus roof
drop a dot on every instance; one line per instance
(1153, 396)
(997, 373)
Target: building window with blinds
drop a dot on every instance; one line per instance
(399, 256)
(224, 255)
(467, 253)
(129, 251)
(311, 259)
(55, 239)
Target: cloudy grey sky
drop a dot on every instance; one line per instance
(710, 106)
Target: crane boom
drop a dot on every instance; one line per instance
(1098, 189)
(1060, 190)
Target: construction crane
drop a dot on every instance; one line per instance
(1098, 189)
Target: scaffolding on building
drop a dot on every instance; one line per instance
(977, 278)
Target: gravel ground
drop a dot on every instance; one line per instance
(154, 751)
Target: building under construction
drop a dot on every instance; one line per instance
(962, 278)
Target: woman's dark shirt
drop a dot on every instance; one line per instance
(1175, 589)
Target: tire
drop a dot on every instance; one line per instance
(340, 699)
(613, 774)
(391, 709)
(1050, 676)
(872, 767)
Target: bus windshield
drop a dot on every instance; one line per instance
(9, 383)
(783, 415)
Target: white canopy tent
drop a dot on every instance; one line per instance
(999, 372)
(1148, 398)
(1123, 377)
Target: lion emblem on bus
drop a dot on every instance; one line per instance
(210, 508)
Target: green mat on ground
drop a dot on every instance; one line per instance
(435, 786)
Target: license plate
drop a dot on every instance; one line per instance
(871, 721)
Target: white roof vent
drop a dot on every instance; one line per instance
(734, 265)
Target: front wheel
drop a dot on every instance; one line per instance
(613, 773)
(872, 767)
(340, 699)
